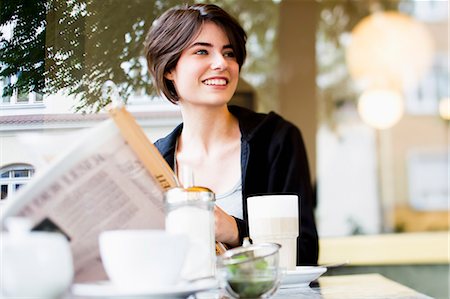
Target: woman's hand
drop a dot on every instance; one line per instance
(226, 228)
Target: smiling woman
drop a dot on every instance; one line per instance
(195, 54)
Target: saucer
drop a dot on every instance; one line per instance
(301, 277)
(105, 289)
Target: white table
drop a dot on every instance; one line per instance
(361, 286)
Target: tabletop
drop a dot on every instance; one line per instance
(361, 286)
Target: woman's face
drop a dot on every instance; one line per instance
(207, 72)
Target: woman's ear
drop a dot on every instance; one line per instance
(168, 76)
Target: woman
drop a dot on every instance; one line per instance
(195, 54)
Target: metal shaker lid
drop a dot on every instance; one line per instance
(191, 194)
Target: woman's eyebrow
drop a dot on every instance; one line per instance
(203, 44)
(209, 45)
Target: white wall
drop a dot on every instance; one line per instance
(347, 180)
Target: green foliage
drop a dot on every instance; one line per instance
(23, 54)
(91, 42)
(76, 45)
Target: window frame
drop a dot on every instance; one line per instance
(11, 181)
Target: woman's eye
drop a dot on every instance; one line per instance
(229, 54)
(201, 52)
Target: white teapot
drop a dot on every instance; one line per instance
(34, 264)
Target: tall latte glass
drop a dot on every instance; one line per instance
(274, 218)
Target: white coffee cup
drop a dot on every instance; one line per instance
(139, 260)
(274, 218)
(35, 264)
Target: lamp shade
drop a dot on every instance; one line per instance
(379, 108)
(389, 49)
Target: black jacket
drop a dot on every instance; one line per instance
(273, 161)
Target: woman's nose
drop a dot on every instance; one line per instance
(219, 62)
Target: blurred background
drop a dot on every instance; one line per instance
(367, 82)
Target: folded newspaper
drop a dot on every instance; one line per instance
(113, 178)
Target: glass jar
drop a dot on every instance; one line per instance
(250, 271)
(191, 211)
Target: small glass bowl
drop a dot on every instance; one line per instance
(250, 272)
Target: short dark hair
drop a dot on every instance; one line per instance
(175, 29)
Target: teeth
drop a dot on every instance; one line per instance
(215, 82)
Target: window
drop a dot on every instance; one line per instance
(17, 97)
(20, 93)
(424, 98)
(12, 178)
(5, 81)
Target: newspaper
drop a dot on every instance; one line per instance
(101, 183)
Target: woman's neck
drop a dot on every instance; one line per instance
(209, 146)
(205, 128)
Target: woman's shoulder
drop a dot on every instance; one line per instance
(167, 144)
(255, 124)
